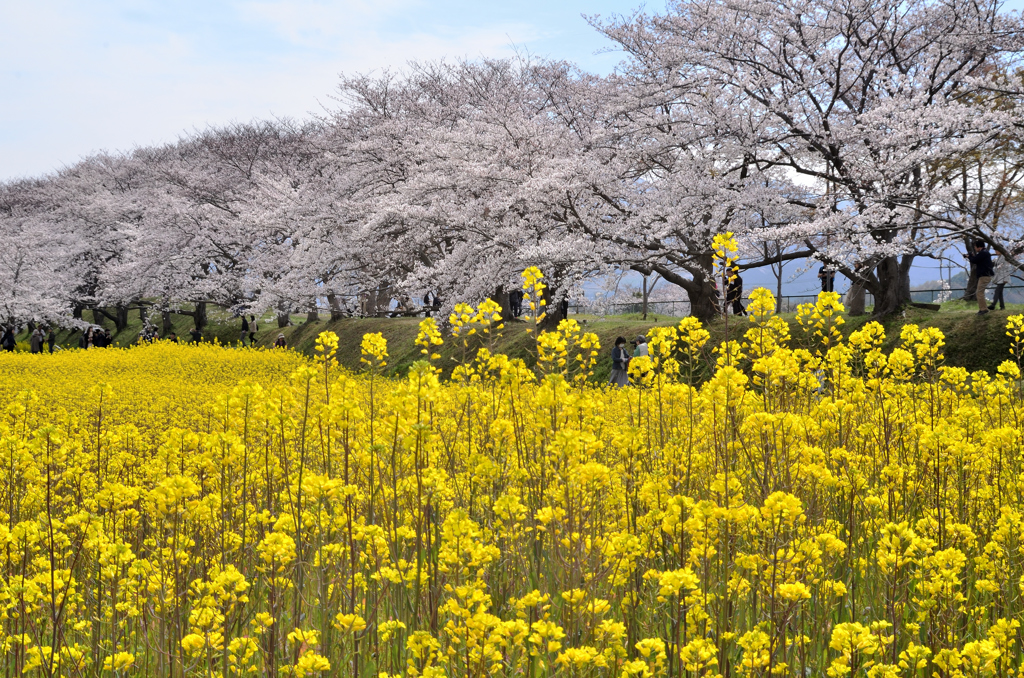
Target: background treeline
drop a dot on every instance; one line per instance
(861, 133)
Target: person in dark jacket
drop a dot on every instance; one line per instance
(245, 330)
(982, 261)
(734, 295)
(620, 363)
(7, 340)
(515, 302)
(828, 279)
(51, 339)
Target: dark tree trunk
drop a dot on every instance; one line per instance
(380, 299)
(501, 297)
(282, 319)
(855, 299)
(971, 293)
(143, 313)
(704, 295)
(121, 317)
(200, 315)
(337, 313)
(645, 297)
(165, 318)
(371, 302)
(97, 317)
(703, 299)
(312, 316)
(892, 290)
(700, 288)
(76, 312)
(550, 309)
(778, 291)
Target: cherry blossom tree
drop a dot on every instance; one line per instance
(463, 173)
(864, 102)
(863, 133)
(40, 260)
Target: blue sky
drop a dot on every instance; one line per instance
(79, 77)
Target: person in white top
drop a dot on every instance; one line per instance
(1003, 271)
(640, 346)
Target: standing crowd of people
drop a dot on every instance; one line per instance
(95, 337)
(42, 340)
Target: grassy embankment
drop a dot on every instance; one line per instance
(972, 341)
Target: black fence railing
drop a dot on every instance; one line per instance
(787, 303)
(679, 308)
(673, 308)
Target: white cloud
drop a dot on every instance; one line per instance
(78, 78)
(312, 23)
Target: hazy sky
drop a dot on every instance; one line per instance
(82, 76)
(77, 77)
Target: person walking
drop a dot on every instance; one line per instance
(1001, 277)
(620, 364)
(245, 330)
(252, 330)
(51, 339)
(734, 295)
(35, 342)
(196, 335)
(982, 261)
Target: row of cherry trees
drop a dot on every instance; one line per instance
(863, 133)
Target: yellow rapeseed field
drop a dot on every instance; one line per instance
(196, 511)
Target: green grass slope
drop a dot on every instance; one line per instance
(972, 341)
